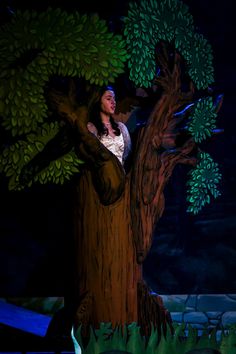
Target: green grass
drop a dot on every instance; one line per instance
(129, 338)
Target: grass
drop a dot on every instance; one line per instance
(129, 339)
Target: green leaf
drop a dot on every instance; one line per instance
(68, 158)
(58, 164)
(15, 157)
(42, 60)
(39, 145)
(104, 64)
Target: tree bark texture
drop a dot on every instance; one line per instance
(155, 159)
(157, 154)
(107, 272)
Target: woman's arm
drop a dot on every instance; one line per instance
(127, 140)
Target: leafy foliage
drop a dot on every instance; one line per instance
(52, 42)
(202, 183)
(198, 54)
(33, 48)
(165, 20)
(130, 340)
(203, 120)
(18, 154)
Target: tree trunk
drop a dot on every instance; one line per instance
(107, 272)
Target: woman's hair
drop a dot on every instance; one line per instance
(94, 108)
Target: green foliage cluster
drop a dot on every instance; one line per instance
(203, 120)
(34, 47)
(15, 156)
(59, 44)
(202, 183)
(129, 339)
(153, 21)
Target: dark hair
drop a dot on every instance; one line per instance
(94, 107)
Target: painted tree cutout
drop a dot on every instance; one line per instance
(163, 50)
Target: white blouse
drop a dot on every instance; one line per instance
(119, 145)
(115, 145)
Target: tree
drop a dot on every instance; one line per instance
(114, 214)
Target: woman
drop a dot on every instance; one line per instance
(101, 142)
(114, 135)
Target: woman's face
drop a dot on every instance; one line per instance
(108, 102)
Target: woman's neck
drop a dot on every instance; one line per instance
(105, 118)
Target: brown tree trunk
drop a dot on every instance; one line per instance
(107, 272)
(113, 232)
